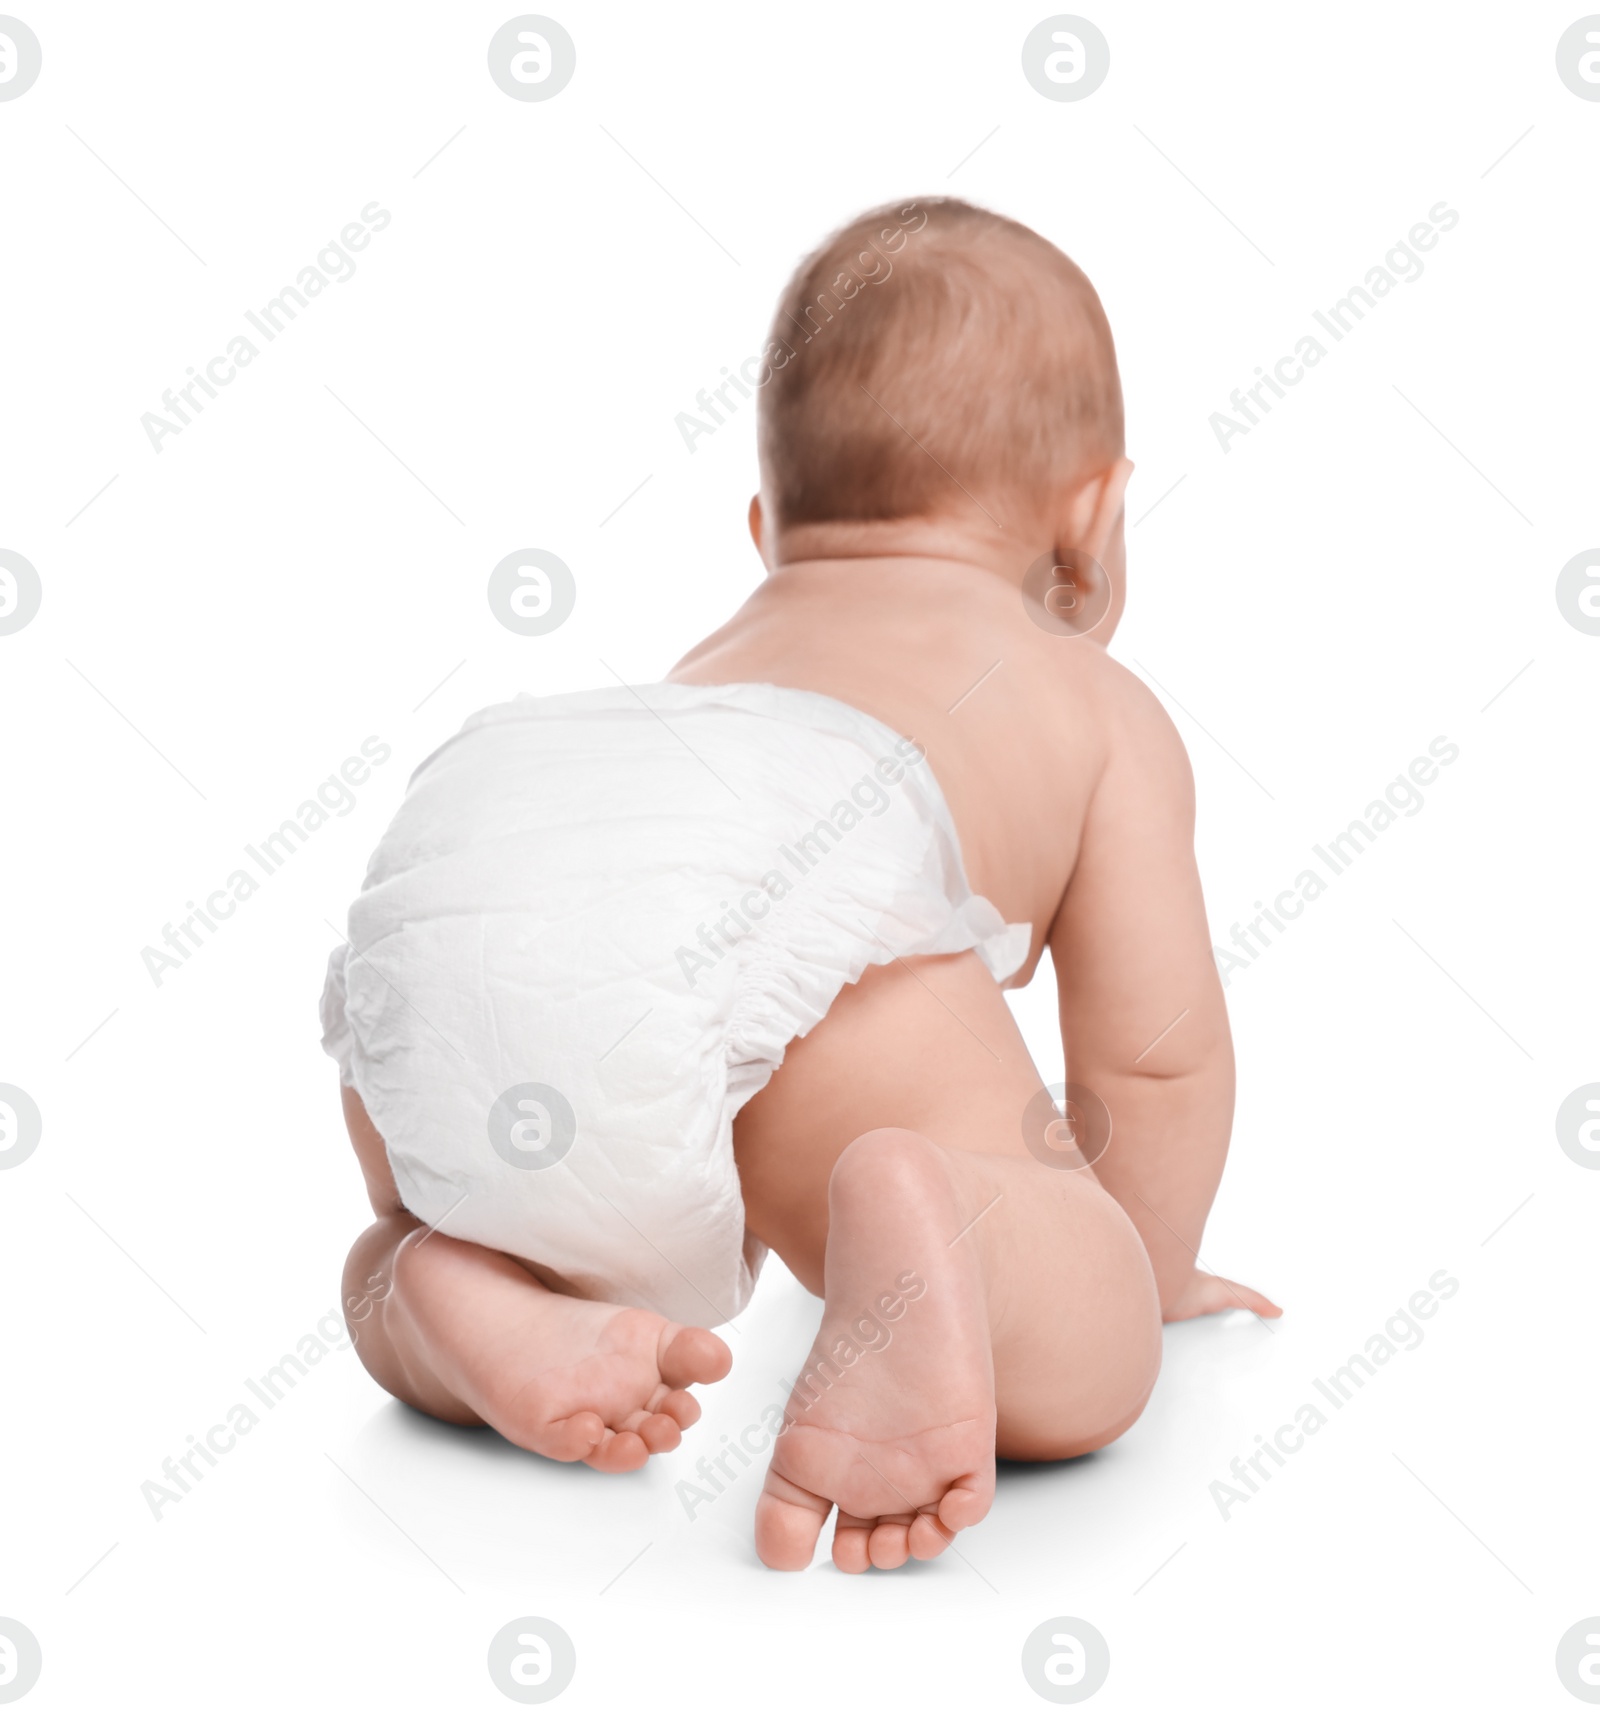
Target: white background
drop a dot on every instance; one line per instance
(228, 620)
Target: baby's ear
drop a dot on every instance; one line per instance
(754, 520)
(1094, 510)
(1124, 472)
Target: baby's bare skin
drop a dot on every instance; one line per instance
(1072, 796)
(890, 1140)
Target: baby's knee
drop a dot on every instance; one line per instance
(1127, 1382)
(887, 1155)
(368, 1277)
(367, 1292)
(1073, 1423)
(1122, 1408)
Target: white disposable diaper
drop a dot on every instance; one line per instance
(594, 925)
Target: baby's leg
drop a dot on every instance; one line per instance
(887, 1153)
(469, 1335)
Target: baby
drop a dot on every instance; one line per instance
(645, 981)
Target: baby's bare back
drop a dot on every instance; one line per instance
(1074, 801)
(1012, 717)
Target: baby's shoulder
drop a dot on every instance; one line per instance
(1086, 677)
(1105, 700)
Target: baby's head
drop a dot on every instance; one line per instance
(933, 362)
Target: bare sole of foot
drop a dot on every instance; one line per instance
(893, 1418)
(594, 1383)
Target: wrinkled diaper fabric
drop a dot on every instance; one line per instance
(586, 939)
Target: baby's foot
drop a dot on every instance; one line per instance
(893, 1418)
(566, 1378)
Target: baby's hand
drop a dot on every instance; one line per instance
(1206, 1294)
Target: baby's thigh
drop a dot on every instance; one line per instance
(927, 1044)
(372, 1154)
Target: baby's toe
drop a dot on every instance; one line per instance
(788, 1521)
(925, 1538)
(682, 1407)
(691, 1354)
(888, 1544)
(965, 1504)
(567, 1439)
(850, 1543)
(659, 1433)
(618, 1452)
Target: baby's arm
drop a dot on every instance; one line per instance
(1142, 1014)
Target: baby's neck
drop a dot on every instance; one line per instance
(900, 546)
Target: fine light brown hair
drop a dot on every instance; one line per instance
(929, 353)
